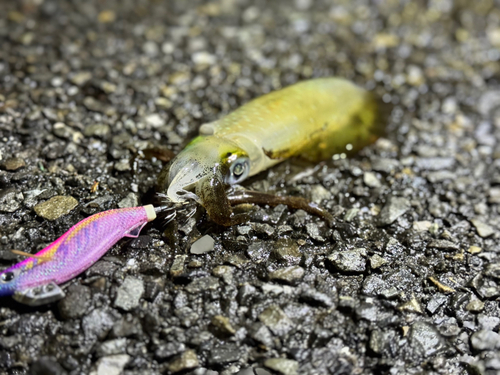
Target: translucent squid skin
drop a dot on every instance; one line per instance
(313, 120)
(76, 250)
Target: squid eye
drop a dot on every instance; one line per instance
(8, 276)
(238, 171)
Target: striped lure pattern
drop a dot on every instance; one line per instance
(75, 251)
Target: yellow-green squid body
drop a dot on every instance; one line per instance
(313, 120)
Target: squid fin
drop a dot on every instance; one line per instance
(39, 295)
(45, 258)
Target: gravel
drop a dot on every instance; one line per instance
(13, 164)
(393, 209)
(407, 280)
(282, 365)
(485, 340)
(289, 275)
(56, 207)
(112, 365)
(203, 245)
(129, 293)
(185, 361)
(348, 261)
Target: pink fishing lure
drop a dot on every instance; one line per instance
(34, 280)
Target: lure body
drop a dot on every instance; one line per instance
(313, 119)
(33, 281)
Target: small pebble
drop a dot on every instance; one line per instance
(425, 339)
(475, 305)
(287, 250)
(393, 209)
(421, 226)
(155, 120)
(371, 180)
(203, 58)
(56, 207)
(80, 78)
(443, 245)
(203, 245)
(106, 16)
(282, 365)
(112, 365)
(10, 200)
(224, 354)
(289, 274)
(223, 325)
(76, 303)
(411, 306)
(376, 261)
(131, 200)
(13, 164)
(276, 320)
(349, 260)
(96, 130)
(177, 267)
(186, 361)
(484, 230)
(129, 293)
(442, 288)
(474, 249)
(350, 214)
(319, 193)
(485, 340)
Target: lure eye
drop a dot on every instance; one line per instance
(8, 276)
(238, 171)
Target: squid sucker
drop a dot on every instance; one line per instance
(313, 120)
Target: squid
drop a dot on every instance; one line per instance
(313, 120)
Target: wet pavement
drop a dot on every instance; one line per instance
(406, 282)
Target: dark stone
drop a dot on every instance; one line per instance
(203, 284)
(348, 261)
(246, 293)
(129, 293)
(373, 285)
(102, 268)
(316, 298)
(98, 323)
(288, 275)
(76, 303)
(286, 250)
(276, 320)
(127, 326)
(168, 350)
(224, 354)
(425, 339)
(258, 251)
(260, 333)
(393, 209)
(436, 302)
(46, 366)
(10, 200)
